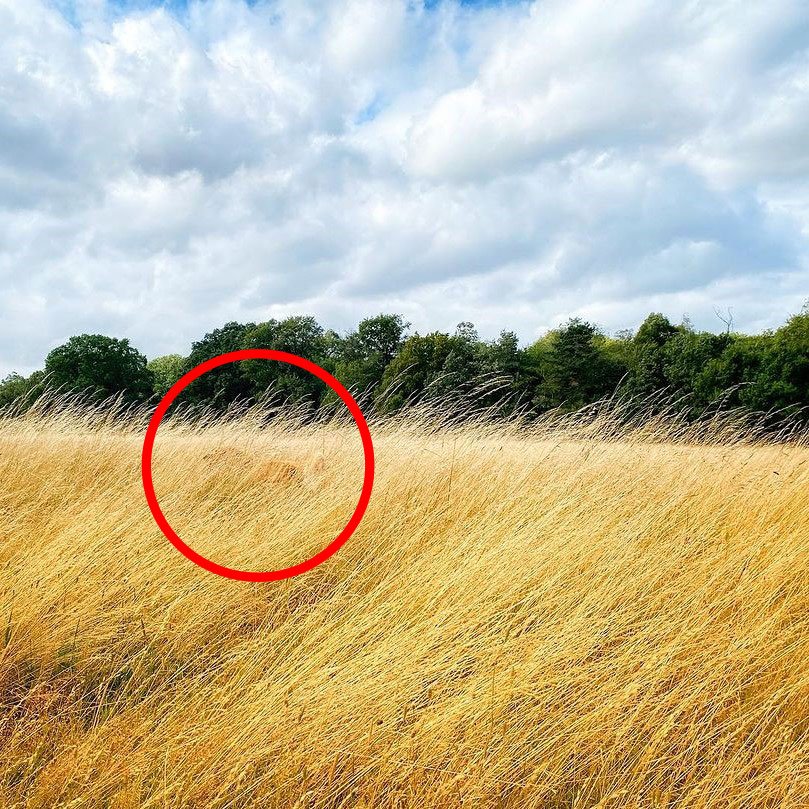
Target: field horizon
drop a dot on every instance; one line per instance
(568, 615)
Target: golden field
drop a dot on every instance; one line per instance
(554, 617)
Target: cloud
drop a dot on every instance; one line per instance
(163, 171)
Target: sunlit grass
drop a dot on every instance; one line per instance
(572, 615)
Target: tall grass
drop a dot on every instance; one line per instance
(580, 612)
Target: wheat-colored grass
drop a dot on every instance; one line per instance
(553, 617)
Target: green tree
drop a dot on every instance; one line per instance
(226, 384)
(568, 367)
(435, 366)
(647, 355)
(367, 352)
(100, 367)
(692, 366)
(503, 355)
(19, 390)
(507, 373)
(574, 366)
(781, 378)
(464, 367)
(413, 370)
(12, 387)
(299, 335)
(791, 355)
(166, 371)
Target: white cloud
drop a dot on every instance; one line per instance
(365, 36)
(510, 165)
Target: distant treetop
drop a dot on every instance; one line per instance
(387, 368)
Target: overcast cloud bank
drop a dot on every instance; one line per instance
(164, 171)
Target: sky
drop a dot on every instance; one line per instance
(168, 167)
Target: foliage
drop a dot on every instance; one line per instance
(99, 367)
(19, 390)
(385, 367)
(437, 365)
(225, 384)
(302, 336)
(366, 353)
(646, 356)
(166, 371)
(574, 367)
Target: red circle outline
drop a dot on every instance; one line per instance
(148, 447)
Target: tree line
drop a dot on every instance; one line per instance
(386, 367)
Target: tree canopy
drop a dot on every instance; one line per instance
(99, 367)
(387, 367)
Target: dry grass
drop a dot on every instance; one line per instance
(546, 619)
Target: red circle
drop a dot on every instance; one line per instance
(257, 354)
